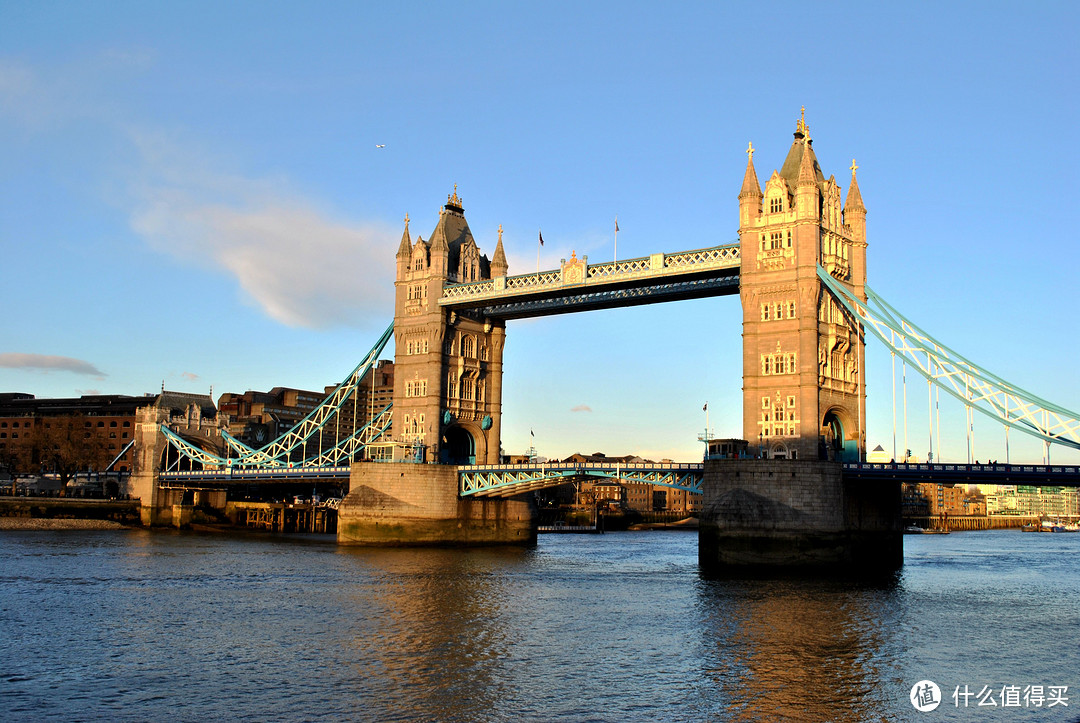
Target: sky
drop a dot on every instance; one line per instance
(193, 194)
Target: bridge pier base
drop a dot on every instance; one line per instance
(762, 514)
(402, 504)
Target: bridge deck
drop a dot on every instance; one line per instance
(511, 479)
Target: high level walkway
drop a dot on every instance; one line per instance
(580, 286)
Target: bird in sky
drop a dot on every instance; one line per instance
(380, 145)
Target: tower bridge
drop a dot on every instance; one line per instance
(799, 268)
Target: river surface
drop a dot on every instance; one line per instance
(167, 626)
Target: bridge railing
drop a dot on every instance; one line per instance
(658, 265)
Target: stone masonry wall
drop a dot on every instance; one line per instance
(790, 513)
(418, 504)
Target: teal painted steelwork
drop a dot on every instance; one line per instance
(508, 480)
(281, 451)
(956, 375)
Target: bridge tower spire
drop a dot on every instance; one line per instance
(448, 365)
(803, 357)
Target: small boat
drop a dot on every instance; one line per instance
(935, 532)
(913, 530)
(1030, 527)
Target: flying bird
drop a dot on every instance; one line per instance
(380, 145)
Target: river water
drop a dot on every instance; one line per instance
(167, 626)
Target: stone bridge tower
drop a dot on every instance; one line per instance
(804, 393)
(448, 365)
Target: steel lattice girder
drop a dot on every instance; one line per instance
(279, 451)
(955, 374)
(346, 448)
(506, 481)
(189, 450)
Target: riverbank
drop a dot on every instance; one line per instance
(968, 523)
(42, 523)
(34, 513)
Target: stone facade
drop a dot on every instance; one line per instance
(803, 359)
(448, 365)
(392, 504)
(796, 513)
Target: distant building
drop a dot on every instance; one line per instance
(111, 414)
(878, 455)
(638, 497)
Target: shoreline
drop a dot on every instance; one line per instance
(53, 523)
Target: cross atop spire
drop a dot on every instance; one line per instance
(853, 167)
(750, 150)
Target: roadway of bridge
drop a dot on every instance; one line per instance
(510, 480)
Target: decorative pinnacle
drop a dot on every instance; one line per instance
(750, 150)
(800, 126)
(454, 200)
(853, 166)
(406, 219)
(500, 233)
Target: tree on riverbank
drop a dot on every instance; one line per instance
(64, 446)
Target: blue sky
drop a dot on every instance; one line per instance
(192, 193)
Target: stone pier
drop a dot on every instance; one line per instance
(402, 504)
(796, 514)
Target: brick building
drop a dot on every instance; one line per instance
(111, 415)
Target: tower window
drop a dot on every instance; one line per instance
(776, 204)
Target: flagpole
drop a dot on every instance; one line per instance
(616, 259)
(539, 243)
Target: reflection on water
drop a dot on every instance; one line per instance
(802, 650)
(141, 626)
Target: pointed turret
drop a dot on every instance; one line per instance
(750, 194)
(807, 190)
(404, 253)
(405, 248)
(854, 202)
(750, 186)
(855, 219)
(807, 177)
(498, 263)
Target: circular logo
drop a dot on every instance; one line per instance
(925, 696)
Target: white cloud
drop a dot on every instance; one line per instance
(45, 363)
(190, 376)
(581, 408)
(300, 265)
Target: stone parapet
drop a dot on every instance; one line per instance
(794, 513)
(406, 504)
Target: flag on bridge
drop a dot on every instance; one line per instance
(541, 238)
(706, 407)
(616, 224)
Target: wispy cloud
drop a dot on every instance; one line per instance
(45, 363)
(191, 377)
(302, 264)
(581, 408)
(303, 267)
